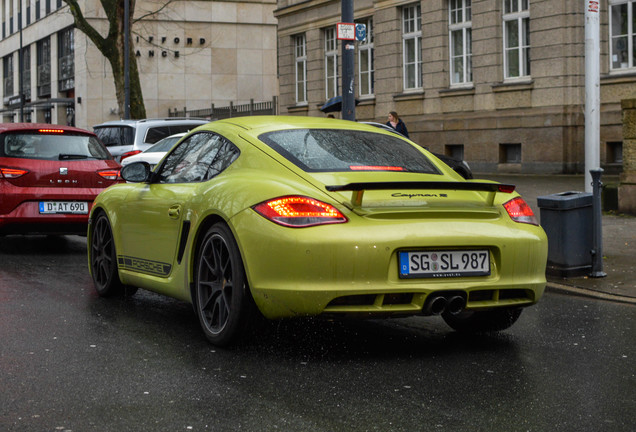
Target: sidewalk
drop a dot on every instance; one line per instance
(619, 238)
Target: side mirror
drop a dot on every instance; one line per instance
(136, 172)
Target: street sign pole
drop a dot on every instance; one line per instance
(348, 97)
(592, 92)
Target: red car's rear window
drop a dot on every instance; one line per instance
(51, 146)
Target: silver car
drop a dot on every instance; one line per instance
(125, 138)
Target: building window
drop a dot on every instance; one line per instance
(516, 24)
(26, 73)
(44, 67)
(300, 54)
(460, 36)
(28, 13)
(623, 32)
(365, 61)
(412, 47)
(456, 151)
(331, 63)
(47, 7)
(510, 153)
(7, 74)
(615, 152)
(37, 10)
(66, 65)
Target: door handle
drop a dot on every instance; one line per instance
(174, 211)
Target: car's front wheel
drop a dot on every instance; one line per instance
(223, 302)
(482, 321)
(103, 260)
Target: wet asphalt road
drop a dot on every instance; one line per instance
(71, 361)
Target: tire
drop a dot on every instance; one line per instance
(482, 321)
(222, 300)
(103, 260)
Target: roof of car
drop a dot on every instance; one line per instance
(6, 127)
(291, 122)
(185, 120)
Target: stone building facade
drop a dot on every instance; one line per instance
(500, 83)
(190, 54)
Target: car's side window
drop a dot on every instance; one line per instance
(198, 158)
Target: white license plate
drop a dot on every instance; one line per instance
(440, 264)
(68, 207)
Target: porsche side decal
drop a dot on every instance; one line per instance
(141, 265)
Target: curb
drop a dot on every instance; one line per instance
(583, 292)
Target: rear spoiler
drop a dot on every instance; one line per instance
(359, 188)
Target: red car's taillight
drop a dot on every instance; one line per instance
(299, 211)
(130, 153)
(11, 173)
(520, 211)
(109, 174)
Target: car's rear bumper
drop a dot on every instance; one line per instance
(26, 219)
(353, 268)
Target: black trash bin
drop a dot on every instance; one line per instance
(567, 220)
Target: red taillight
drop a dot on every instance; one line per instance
(299, 211)
(130, 153)
(56, 131)
(11, 173)
(520, 211)
(109, 174)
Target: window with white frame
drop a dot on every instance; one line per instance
(622, 34)
(300, 55)
(516, 26)
(460, 36)
(331, 63)
(365, 61)
(412, 47)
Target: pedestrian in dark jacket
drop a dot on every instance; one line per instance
(396, 123)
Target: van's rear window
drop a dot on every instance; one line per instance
(347, 150)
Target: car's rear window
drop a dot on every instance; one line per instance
(156, 133)
(56, 146)
(347, 150)
(116, 135)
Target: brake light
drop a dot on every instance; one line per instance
(130, 153)
(299, 211)
(374, 168)
(11, 173)
(109, 174)
(520, 211)
(57, 131)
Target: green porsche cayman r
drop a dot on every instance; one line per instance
(299, 216)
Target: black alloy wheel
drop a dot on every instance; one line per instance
(223, 302)
(103, 259)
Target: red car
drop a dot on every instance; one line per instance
(49, 177)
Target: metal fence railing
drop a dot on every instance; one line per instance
(217, 113)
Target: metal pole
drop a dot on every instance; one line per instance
(126, 59)
(592, 91)
(597, 222)
(21, 67)
(348, 98)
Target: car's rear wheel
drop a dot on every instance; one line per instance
(223, 302)
(103, 260)
(482, 321)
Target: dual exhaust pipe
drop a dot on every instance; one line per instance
(439, 303)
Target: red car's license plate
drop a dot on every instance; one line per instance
(450, 263)
(68, 207)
